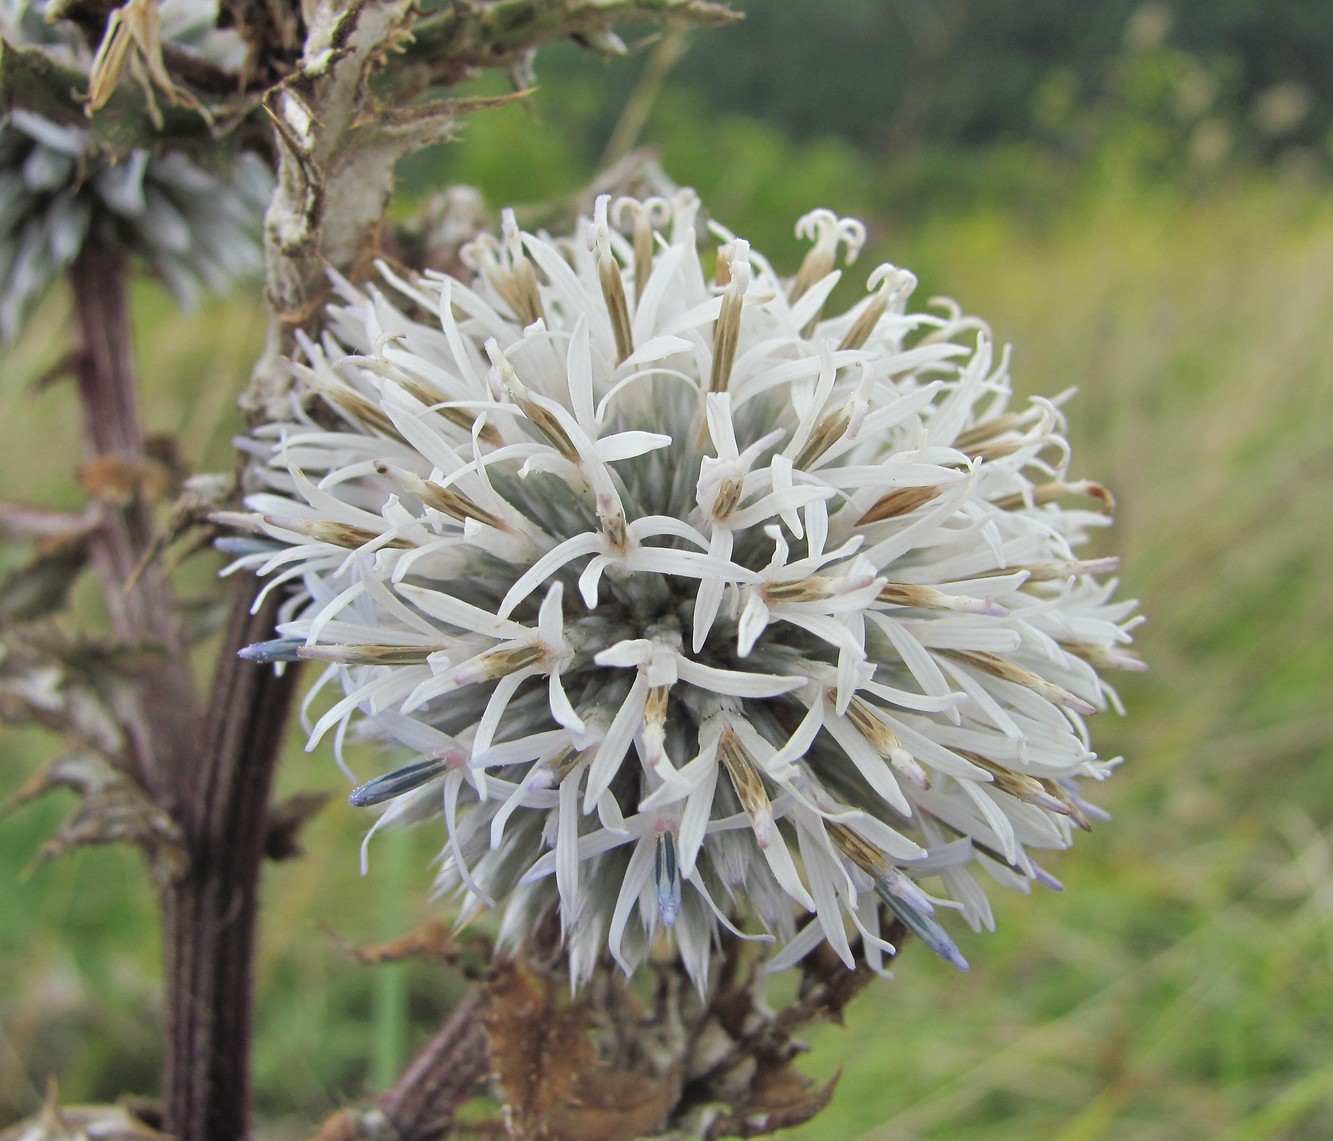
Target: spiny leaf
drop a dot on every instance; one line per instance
(112, 809)
(285, 821)
(41, 586)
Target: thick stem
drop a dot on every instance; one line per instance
(421, 1106)
(139, 601)
(210, 913)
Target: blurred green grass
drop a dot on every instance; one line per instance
(1180, 987)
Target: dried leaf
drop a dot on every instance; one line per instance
(614, 1105)
(119, 480)
(431, 940)
(555, 1086)
(349, 1125)
(81, 1123)
(780, 1098)
(282, 841)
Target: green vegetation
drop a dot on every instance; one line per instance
(1181, 986)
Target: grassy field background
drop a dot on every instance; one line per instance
(1181, 987)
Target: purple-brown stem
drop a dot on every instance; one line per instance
(211, 769)
(210, 913)
(422, 1104)
(140, 606)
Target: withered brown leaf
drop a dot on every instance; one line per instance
(780, 1097)
(555, 1086)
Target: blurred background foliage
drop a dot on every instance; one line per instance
(1137, 196)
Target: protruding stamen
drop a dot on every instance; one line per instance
(525, 297)
(928, 598)
(501, 663)
(337, 534)
(1106, 657)
(275, 650)
(828, 232)
(883, 740)
(654, 721)
(923, 926)
(827, 433)
(1058, 572)
(612, 281)
(646, 214)
(453, 503)
(749, 785)
(398, 782)
(1073, 809)
(894, 287)
(367, 654)
(899, 501)
(358, 407)
(540, 418)
(898, 893)
(726, 332)
(666, 877)
(1019, 785)
(462, 417)
(1006, 670)
(988, 430)
(1054, 492)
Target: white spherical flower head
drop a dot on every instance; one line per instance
(698, 607)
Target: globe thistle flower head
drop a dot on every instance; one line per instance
(697, 606)
(192, 226)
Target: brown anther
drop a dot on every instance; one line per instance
(885, 741)
(900, 501)
(501, 663)
(1054, 492)
(726, 333)
(865, 324)
(564, 762)
(1006, 670)
(364, 654)
(987, 430)
(527, 298)
(722, 274)
(1020, 785)
(910, 594)
(613, 528)
(728, 496)
(359, 408)
(338, 534)
(857, 849)
(655, 704)
(1058, 792)
(643, 255)
(460, 416)
(1105, 657)
(453, 503)
(812, 589)
(613, 291)
(546, 423)
(749, 785)
(827, 433)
